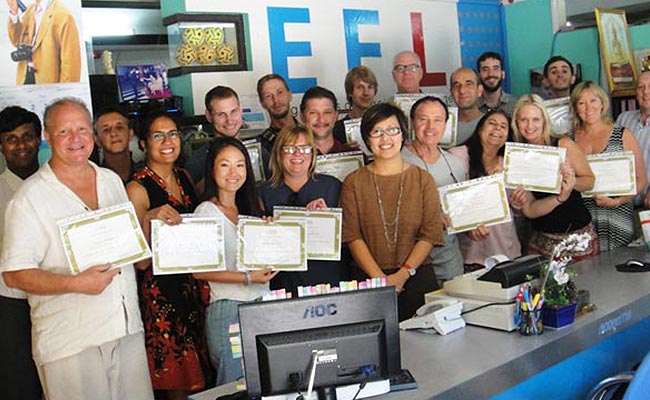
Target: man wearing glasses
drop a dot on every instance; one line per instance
(407, 72)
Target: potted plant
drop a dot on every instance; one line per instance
(558, 287)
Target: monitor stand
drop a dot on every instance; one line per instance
(373, 388)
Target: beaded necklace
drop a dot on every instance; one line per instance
(390, 243)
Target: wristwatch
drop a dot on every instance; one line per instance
(412, 271)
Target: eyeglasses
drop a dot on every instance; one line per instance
(160, 136)
(377, 133)
(406, 68)
(297, 149)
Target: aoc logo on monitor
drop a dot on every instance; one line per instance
(320, 310)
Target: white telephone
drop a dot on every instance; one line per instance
(441, 315)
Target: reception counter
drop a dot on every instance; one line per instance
(480, 363)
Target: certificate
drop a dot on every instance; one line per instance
(558, 111)
(615, 174)
(279, 244)
(481, 201)
(109, 235)
(255, 153)
(339, 165)
(195, 245)
(448, 138)
(405, 101)
(353, 134)
(323, 230)
(533, 167)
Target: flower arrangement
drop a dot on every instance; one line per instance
(558, 287)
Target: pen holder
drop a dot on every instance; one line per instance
(530, 322)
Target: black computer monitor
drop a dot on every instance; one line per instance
(354, 334)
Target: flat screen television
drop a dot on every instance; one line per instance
(353, 336)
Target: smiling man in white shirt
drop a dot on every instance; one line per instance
(88, 338)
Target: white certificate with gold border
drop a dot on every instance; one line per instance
(405, 101)
(615, 174)
(109, 235)
(279, 245)
(254, 148)
(448, 138)
(195, 245)
(339, 165)
(560, 114)
(481, 201)
(353, 134)
(323, 230)
(533, 167)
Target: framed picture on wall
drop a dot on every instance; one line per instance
(206, 43)
(616, 50)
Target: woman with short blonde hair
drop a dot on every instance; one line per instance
(295, 183)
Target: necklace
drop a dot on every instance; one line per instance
(390, 242)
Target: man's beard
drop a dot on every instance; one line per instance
(281, 115)
(493, 89)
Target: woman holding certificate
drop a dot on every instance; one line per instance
(391, 212)
(294, 183)
(483, 156)
(229, 192)
(171, 306)
(595, 133)
(429, 117)
(553, 216)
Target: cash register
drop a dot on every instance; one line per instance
(491, 292)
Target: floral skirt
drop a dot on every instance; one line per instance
(544, 243)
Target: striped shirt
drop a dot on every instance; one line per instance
(507, 103)
(641, 131)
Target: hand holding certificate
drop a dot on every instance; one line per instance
(533, 167)
(195, 245)
(615, 174)
(481, 201)
(109, 235)
(279, 244)
(339, 165)
(323, 230)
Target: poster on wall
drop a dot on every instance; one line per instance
(616, 50)
(42, 45)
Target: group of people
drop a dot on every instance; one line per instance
(125, 332)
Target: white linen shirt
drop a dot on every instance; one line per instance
(9, 184)
(229, 291)
(641, 131)
(66, 324)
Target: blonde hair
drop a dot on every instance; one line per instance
(531, 100)
(575, 97)
(287, 137)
